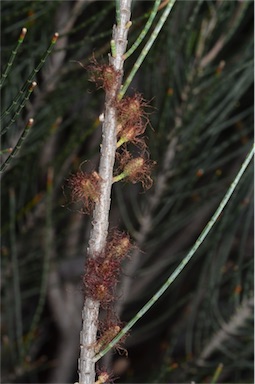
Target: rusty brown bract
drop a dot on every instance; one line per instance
(103, 75)
(85, 188)
(136, 169)
(102, 271)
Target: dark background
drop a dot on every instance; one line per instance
(198, 78)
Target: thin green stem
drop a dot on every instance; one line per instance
(20, 107)
(217, 373)
(6, 150)
(119, 177)
(18, 145)
(113, 48)
(144, 31)
(12, 57)
(147, 48)
(121, 141)
(186, 259)
(16, 279)
(31, 77)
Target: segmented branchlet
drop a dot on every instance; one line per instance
(185, 260)
(19, 98)
(22, 97)
(12, 57)
(144, 31)
(147, 48)
(17, 147)
(26, 96)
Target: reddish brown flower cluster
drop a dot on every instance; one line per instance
(102, 271)
(135, 169)
(131, 110)
(85, 187)
(132, 120)
(103, 75)
(106, 337)
(108, 329)
(103, 377)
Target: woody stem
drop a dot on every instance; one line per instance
(100, 220)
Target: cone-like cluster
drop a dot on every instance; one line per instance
(102, 271)
(135, 170)
(107, 330)
(103, 75)
(85, 188)
(132, 120)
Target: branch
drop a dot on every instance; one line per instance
(101, 213)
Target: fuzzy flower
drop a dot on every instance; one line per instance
(100, 279)
(131, 134)
(130, 110)
(105, 76)
(106, 336)
(85, 187)
(136, 169)
(103, 377)
(102, 270)
(108, 328)
(118, 245)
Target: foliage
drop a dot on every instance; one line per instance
(199, 77)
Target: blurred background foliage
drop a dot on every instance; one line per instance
(198, 77)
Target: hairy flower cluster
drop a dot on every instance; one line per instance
(135, 169)
(108, 328)
(85, 188)
(103, 377)
(131, 109)
(106, 337)
(102, 271)
(103, 75)
(132, 120)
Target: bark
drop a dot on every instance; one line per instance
(100, 221)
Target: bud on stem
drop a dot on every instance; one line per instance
(135, 170)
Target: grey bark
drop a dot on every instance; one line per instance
(101, 213)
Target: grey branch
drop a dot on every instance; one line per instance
(101, 213)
